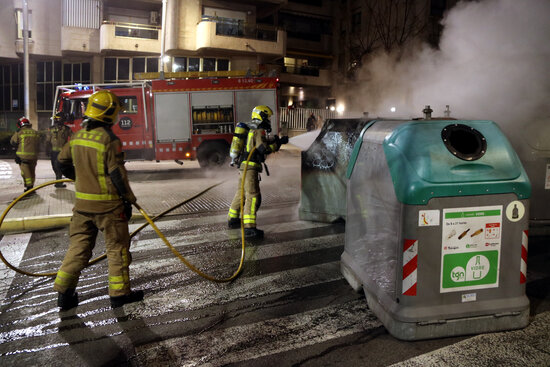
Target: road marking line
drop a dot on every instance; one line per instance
(260, 339)
(13, 247)
(199, 295)
(5, 170)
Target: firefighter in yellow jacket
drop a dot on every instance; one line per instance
(257, 137)
(27, 141)
(103, 197)
(58, 135)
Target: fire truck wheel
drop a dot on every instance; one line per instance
(213, 154)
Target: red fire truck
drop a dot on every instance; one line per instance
(176, 119)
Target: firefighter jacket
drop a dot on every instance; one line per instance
(101, 181)
(27, 141)
(58, 135)
(264, 146)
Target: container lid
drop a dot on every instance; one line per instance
(452, 158)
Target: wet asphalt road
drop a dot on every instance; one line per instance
(289, 307)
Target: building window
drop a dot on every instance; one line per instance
(48, 77)
(11, 87)
(356, 22)
(76, 73)
(223, 64)
(123, 69)
(19, 21)
(152, 64)
(179, 64)
(199, 64)
(305, 28)
(209, 64)
(194, 64)
(138, 65)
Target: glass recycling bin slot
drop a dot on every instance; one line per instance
(436, 227)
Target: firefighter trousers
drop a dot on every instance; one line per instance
(252, 199)
(56, 165)
(83, 232)
(28, 168)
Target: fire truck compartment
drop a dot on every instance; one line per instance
(171, 119)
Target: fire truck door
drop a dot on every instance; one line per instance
(131, 122)
(172, 117)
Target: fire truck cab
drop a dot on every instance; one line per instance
(176, 119)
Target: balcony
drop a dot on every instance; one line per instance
(305, 75)
(232, 35)
(140, 38)
(79, 39)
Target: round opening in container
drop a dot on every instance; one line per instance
(464, 141)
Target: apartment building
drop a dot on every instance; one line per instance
(107, 41)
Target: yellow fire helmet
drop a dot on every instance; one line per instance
(261, 113)
(103, 106)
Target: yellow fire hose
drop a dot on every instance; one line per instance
(151, 223)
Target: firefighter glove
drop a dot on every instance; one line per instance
(17, 159)
(129, 197)
(127, 210)
(284, 140)
(68, 171)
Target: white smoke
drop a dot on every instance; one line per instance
(493, 63)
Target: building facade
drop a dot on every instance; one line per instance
(109, 41)
(310, 45)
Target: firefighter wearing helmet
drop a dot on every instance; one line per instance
(58, 135)
(103, 202)
(27, 142)
(257, 136)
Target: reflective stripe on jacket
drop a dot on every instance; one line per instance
(27, 141)
(95, 154)
(58, 135)
(257, 138)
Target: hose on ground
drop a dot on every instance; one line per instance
(149, 221)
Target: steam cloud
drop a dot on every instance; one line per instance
(493, 63)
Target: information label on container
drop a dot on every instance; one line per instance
(470, 254)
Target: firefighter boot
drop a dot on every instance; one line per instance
(120, 301)
(252, 233)
(234, 223)
(67, 300)
(27, 188)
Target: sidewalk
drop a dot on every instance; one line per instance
(158, 186)
(52, 207)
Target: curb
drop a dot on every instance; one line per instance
(29, 224)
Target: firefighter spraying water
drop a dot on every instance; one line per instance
(254, 135)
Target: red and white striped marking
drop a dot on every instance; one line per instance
(410, 263)
(523, 264)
